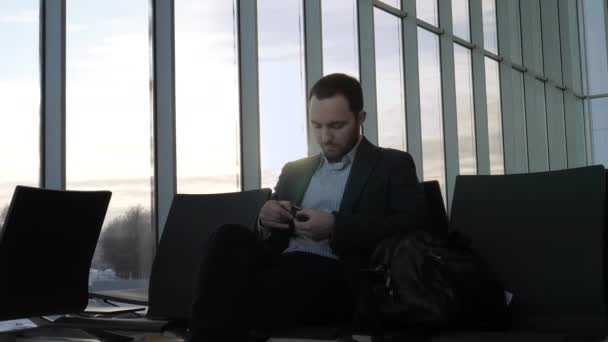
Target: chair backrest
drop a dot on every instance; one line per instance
(191, 221)
(46, 247)
(544, 236)
(434, 199)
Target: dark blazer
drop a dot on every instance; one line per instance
(382, 197)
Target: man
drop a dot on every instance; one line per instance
(326, 216)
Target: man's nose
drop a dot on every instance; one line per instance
(326, 136)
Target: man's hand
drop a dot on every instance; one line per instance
(276, 214)
(314, 224)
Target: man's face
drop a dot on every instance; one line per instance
(336, 128)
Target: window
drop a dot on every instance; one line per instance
(431, 118)
(340, 40)
(207, 97)
(490, 40)
(494, 117)
(19, 98)
(460, 19)
(389, 80)
(282, 84)
(465, 111)
(427, 10)
(108, 130)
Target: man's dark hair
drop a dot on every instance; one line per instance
(334, 84)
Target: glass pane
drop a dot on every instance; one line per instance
(531, 30)
(340, 39)
(282, 86)
(427, 11)
(595, 31)
(519, 116)
(207, 91)
(599, 119)
(431, 118)
(394, 3)
(599, 113)
(389, 81)
(464, 110)
(490, 40)
(494, 117)
(515, 34)
(108, 131)
(19, 98)
(460, 19)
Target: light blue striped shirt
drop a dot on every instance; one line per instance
(324, 192)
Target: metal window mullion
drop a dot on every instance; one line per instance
(463, 42)
(585, 81)
(514, 148)
(313, 40)
(596, 96)
(479, 90)
(53, 69)
(249, 94)
(389, 9)
(606, 23)
(412, 85)
(430, 27)
(367, 67)
(588, 132)
(448, 91)
(165, 178)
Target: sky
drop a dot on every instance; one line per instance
(108, 92)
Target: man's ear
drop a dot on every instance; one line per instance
(361, 117)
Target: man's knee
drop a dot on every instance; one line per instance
(232, 234)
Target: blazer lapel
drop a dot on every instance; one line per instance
(365, 161)
(302, 178)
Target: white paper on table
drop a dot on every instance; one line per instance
(16, 324)
(508, 297)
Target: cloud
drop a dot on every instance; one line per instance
(23, 17)
(71, 28)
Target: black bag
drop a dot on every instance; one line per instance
(418, 281)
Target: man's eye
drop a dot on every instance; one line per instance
(337, 125)
(316, 126)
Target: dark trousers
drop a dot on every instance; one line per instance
(243, 285)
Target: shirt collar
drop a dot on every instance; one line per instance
(345, 161)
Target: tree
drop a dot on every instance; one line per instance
(3, 214)
(127, 244)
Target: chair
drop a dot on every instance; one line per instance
(46, 249)
(191, 220)
(438, 214)
(544, 234)
(438, 225)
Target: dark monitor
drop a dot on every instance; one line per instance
(46, 247)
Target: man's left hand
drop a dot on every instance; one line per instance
(319, 224)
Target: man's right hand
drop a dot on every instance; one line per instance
(276, 214)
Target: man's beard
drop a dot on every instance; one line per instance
(338, 152)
